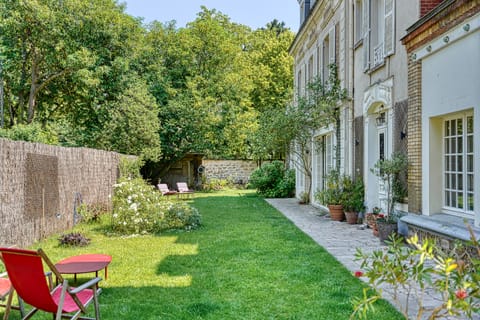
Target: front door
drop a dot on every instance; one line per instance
(381, 155)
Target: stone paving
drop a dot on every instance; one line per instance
(341, 240)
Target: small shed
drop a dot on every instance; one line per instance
(188, 169)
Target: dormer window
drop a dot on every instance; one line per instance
(304, 10)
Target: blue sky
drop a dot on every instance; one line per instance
(253, 13)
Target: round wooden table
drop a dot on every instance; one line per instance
(84, 263)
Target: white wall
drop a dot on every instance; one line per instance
(450, 84)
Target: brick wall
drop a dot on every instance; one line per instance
(427, 5)
(414, 144)
(39, 184)
(422, 33)
(448, 16)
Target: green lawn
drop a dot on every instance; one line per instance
(246, 262)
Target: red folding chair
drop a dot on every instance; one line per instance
(6, 296)
(26, 273)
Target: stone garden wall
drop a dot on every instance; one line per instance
(40, 186)
(238, 171)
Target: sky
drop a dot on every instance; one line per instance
(253, 13)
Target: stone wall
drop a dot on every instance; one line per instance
(41, 184)
(238, 171)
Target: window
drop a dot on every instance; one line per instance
(458, 164)
(310, 69)
(358, 20)
(299, 84)
(329, 52)
(324, 159)
(378, 30)
(326, 58)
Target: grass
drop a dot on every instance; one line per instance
(246, 262)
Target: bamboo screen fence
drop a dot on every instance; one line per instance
(40, 185)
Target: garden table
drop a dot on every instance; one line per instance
(84, 263)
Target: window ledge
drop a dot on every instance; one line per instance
(443, 224)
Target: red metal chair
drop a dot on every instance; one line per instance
(25, 271)
(6, 293)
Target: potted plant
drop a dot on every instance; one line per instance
(371, 219)
(389, 171)
(304, 198)
(332, 195)
(386, 225)
(353, 199)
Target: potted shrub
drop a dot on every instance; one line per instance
(332, 195)
(304, 198)
(389, 171)
(353, 199)
(386, 225)
(371, 219)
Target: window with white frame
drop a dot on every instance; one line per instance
(329, 53)
(300, 170)
(358, 20)
(378, 31)
(324, 159)
(458, 176)
(325, 57)
(299, 84)
(310, 69)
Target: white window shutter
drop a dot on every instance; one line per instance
(389, 40)
(331, 45)
(366, 34)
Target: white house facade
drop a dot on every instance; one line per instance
(323, 39)
(412, 71)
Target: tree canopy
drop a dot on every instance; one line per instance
(85, 73)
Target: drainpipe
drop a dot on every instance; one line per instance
(349, 74)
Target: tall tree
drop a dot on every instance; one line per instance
(272, 88)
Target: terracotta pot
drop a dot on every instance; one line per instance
(336, 212)
(351, 217)
(385, 229)
(371, 220)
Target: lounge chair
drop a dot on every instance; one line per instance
(26, 273)
(184, 190)
(163, 187)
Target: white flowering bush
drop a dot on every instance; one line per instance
(138, 208)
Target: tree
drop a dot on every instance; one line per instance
(132, 127)
(320, 107)
(272, 89)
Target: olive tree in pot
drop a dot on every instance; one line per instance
(332, 195)
(389, 170)
(353, 199)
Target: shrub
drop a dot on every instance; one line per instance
(272, 180)
(179, 215)
(73, 239)
(216, 184)
(130, 166)
(91, 213)
(30, 132)
(138, 208)
(412, 269)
